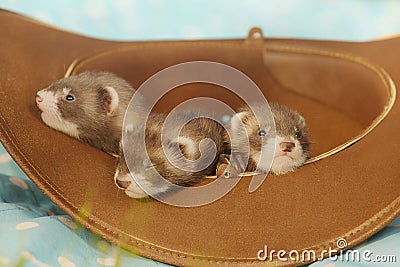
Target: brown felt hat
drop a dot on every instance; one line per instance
(346, 91)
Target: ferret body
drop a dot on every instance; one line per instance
(89, 106)
(183, 150)
(292, 145)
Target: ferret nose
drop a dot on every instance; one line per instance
(287, 146)
(123, 184)
(39, 99)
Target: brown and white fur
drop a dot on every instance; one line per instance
(184, 150)
(292, 145)
(89, 106)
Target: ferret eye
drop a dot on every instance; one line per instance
(298, 134)
(70, 98)
(227, 174)
(262, 133)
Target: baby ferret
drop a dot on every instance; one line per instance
(185, 151)
(292, 145)
(89, 107)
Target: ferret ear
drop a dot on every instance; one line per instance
(302, 122)
(111, 100)
(237, 121)
(187, 146)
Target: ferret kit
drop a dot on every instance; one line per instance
(92, 107)
(336, 99)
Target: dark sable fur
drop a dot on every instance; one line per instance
(196, 129)
(88, 111)
(287, 121)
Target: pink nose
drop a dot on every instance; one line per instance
(123, 184)
(39, 99)
(286, 146)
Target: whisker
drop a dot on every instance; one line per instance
(111, 172)
(152, 166)
(118, 192)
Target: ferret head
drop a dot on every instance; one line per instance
(72, 102)
(145, 173)
(89, 106)
(292, 146)
(292, 142)
(150, 168)
(150, 171)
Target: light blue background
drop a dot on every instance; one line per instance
(180, 19)
(352, 20)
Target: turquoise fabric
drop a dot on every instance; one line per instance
(35, 232)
